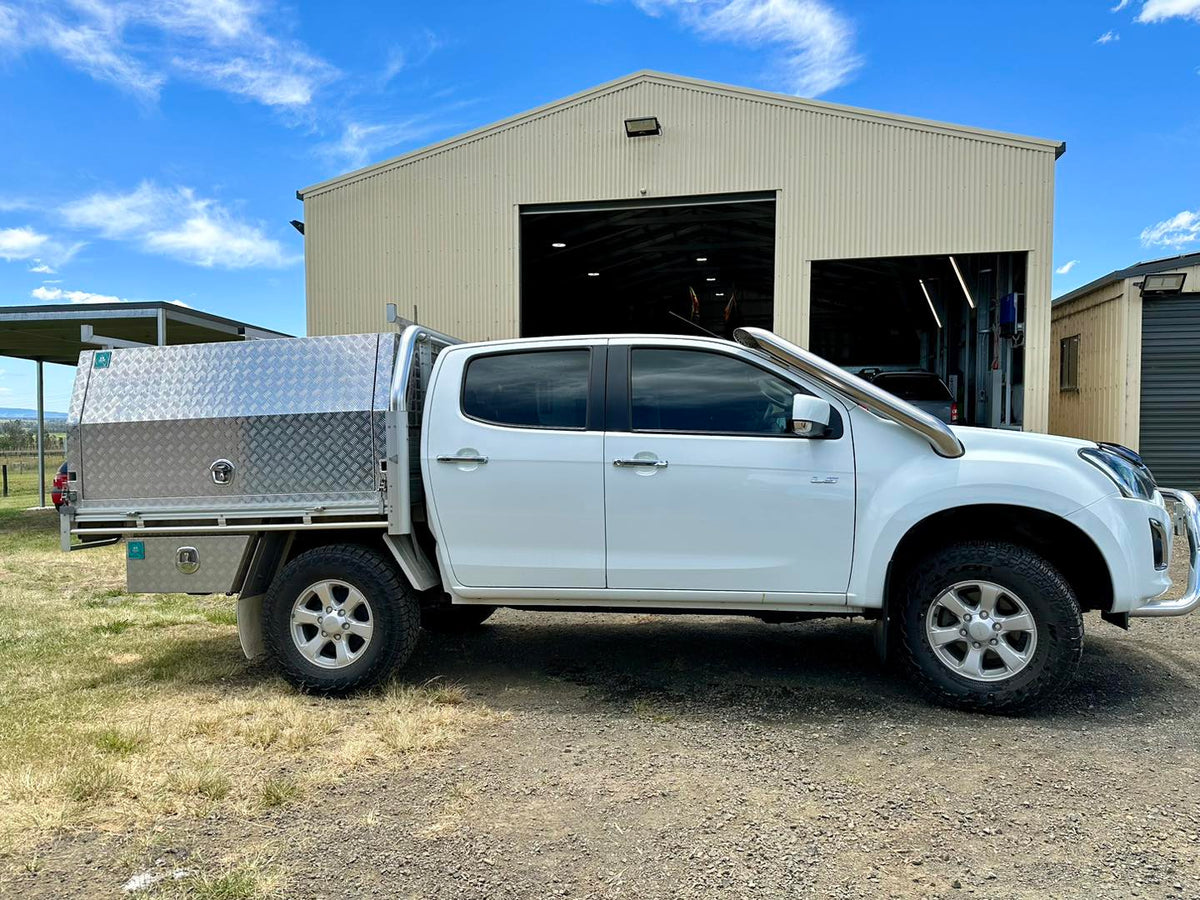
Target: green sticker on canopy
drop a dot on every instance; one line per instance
(136, 550)
(103, 358)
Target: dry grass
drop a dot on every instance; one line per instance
(117, 711)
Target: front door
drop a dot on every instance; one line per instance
(706, 489)
(514, 463)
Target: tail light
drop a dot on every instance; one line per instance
(953, 413)
(57, 487)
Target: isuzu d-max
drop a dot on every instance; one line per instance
(352, 489)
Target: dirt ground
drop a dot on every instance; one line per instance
(645, 756)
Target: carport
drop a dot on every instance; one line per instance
(59, 333)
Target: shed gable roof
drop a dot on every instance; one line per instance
(660, 78)
(1149, 267)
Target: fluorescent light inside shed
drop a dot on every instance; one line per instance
(929, 300)
(593, 274)
(558, 245)
(966, 293)
(710, 279)
(701, 259)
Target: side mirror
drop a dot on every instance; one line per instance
(810, 416)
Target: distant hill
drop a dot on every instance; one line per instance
(9, 412)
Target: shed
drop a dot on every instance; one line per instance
(658, 203)
(1125, 366)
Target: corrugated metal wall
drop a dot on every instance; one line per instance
(1109, 321)
(440, 231)
(1170, 389)
(1100, 410)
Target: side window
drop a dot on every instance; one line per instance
(529, 389)
(1068, 363)
(693, 390)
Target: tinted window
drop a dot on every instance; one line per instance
(537, 389)
(914, 386)
(689, 390)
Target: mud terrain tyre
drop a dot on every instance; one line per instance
(988, 625)
(340, 618)
(454, 619)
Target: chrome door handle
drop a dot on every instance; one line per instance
(640, 463)
(463, 459)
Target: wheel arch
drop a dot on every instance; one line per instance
(1062, 543)
(274, 550)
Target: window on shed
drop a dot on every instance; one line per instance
(531, 389)
(1068, 364)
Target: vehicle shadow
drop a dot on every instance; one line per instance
(714, 666)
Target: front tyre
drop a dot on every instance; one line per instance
(988, 625)
(339, 618)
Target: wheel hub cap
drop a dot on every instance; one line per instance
(332, 624)
(981, 630)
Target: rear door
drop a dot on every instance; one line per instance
(513, 459)
(706, 488)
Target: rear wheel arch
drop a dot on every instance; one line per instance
(1062, 543)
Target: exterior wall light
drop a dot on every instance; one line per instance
(1170, 283)
(642, 126)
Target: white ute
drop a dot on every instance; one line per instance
(353, 489)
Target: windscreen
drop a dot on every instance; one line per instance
(914, 386)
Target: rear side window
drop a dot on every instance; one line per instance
(914, 386)
(532, 389)
(709, 393)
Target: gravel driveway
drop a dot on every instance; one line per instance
(709, 756)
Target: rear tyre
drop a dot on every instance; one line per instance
(988, 625)
(452, 619)
(339, 618)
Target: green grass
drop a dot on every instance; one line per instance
(118, 711)
(22, 482)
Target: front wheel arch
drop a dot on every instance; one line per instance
(1061, 543)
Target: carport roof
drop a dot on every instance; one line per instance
(1149, 267)
(51, 332)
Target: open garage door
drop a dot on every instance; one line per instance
(960, 317)
(667, 266)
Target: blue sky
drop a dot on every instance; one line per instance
(152, 150)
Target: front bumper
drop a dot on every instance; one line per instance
(1187, 510)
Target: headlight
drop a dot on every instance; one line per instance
(1133, 479)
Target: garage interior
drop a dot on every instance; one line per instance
(633, 267)
(961, 316)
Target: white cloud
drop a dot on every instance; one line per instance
(175, 222)
(20, 243)
(1160, 10)
(1108, 37)
(814, 43)
(1121, 4)
(57, 295)
(1180, 229)
(363, 142)
(1066, 267)
(41, 268)
(416, 53)
(138, 45)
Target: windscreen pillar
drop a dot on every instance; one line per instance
(41, 434)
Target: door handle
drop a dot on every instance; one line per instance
(463, 459)
(640, 463)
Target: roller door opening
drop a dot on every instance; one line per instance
(681, 266)
(960, 318)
